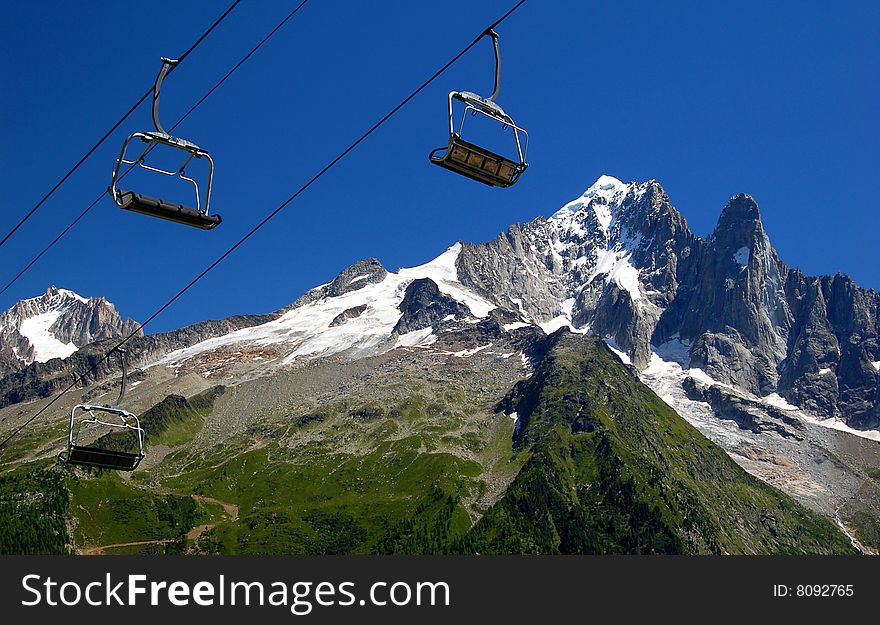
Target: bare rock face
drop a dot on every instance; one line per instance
(834, 343)
(516, 271)
(616, 315)
(348, 313)
(755, 324)
(357, 276)
(92, 323)
(737, 317)
(424, 306)
(54, 325)
(622, 263)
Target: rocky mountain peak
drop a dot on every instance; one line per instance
(51, 299)
(54, 325)
(424, 306)
(357, 276)
(741, 208)
(613, 213)
(738, 317)
(362, 273)
(621, 262)
(739, 227)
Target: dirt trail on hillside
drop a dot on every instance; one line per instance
(230, 508)
(99, 551)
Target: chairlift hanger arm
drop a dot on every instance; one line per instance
(167, 66)
(122, 354)
(497, 48)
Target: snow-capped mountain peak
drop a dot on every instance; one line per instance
(606, 186)
(53, 299)
(54, 325)
(361, 321)
(607, 190)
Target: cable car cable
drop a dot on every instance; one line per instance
(264, 221)
(113, 129)
(176, 124)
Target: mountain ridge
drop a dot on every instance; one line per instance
(620, 262)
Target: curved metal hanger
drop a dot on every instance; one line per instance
(497, 48)
(167, 66)
(122, 353)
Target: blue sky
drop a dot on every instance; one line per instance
(779, 100)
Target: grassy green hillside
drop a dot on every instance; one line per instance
(173, 421)
(614, 470)
(420, 460)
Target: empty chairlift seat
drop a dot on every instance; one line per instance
(114, 428)
(155, 207)
(471, 160)
(103, 458)
(477, 163)
(117, 438)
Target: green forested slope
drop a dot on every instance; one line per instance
(613, 469)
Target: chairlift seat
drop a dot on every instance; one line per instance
(469, 159)
(103, 458)
(108, 416)
(154, 207)
(198, 217)
(477, 163)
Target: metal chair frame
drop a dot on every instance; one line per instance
(490, 164)
(477, 162)
(85, 455)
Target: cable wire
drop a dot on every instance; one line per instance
(266, 220)
(113, 129)
(171, 129)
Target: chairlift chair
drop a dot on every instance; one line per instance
(109, 416)
(199, 216)
(471, 160)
